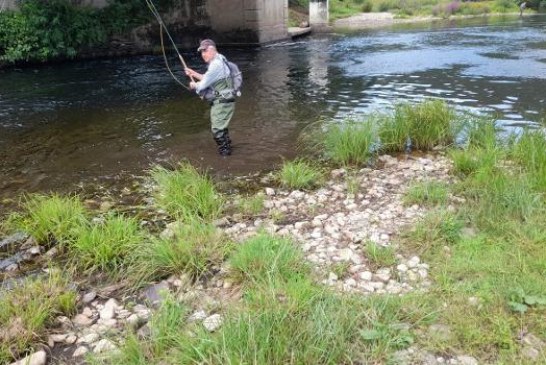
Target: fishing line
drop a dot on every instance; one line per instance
(162, 27)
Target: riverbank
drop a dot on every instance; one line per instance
(385, 19)
(391, 258)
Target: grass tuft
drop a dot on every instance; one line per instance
(299, 174)
(351, 142)
(106, 245)
(428, 193)
(267, 258)
(193, 248)
(28, 309)
(49, 218)
(185, 194)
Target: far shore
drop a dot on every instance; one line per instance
(384, 19)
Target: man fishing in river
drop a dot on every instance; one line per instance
(215, 86)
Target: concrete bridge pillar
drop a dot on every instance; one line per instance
(318, 13)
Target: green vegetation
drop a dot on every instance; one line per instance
(484, 247)
(299, 174)
(104, 246)
(442, 8)
(46, 30)
(426, 193)
(380, 256)
(49, 219)
(184, 193)
(192, 247)
(283, 318)
(250, 205)
(29, 308)
(422, 126)
(350, 142)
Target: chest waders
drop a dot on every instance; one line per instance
(221, 112)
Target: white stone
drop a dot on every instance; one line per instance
(197, 316)
(366, 275)
(269, 191)
(109, 309)
(82, 320)
(89, 297)
(104, 345)
(80, 351)
(213, 322)
(37, 358)
(89, 338)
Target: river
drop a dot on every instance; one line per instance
(105, 121)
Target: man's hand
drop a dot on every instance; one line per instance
(193, 85)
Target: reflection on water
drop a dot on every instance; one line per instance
(108, 119)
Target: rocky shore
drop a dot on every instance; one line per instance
(333, 226)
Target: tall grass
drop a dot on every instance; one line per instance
(193, 249)
(106, 245)
(184, 193)
(426, 193)
(350, 142)
(422, 126)
(529, 152)
(299, 174)
(430, 123)
(265, 258)
(49, 218)
(28, 309)
(283, 318)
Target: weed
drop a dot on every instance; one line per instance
(264, 258)
(429, 123)
(426, 193)
(299, 174)
(251, 206)
(341, 269)
(29, 308)
(49, 218)
(351, 142)
(186, 194)
(104, 246)
(194, 248)
(380, 256)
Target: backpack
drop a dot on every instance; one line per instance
(236, 77)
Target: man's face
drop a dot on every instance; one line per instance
(208, 54)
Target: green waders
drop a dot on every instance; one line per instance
(221, 112)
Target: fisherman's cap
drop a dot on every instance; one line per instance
(206, 43)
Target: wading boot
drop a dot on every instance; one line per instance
(223, 141)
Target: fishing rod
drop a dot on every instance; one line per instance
(162, 27)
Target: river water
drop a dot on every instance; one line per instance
(104, 121)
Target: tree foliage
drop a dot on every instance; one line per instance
(42, 30)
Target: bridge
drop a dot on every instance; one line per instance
(227, 21)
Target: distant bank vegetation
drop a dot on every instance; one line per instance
(45, 30)
(407, 8)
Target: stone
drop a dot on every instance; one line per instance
(213, 322)
(80, 351)
(104, 345)
(89, 297)
(37, 358)
(109, 309)
(153, 293)
(83, 321)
